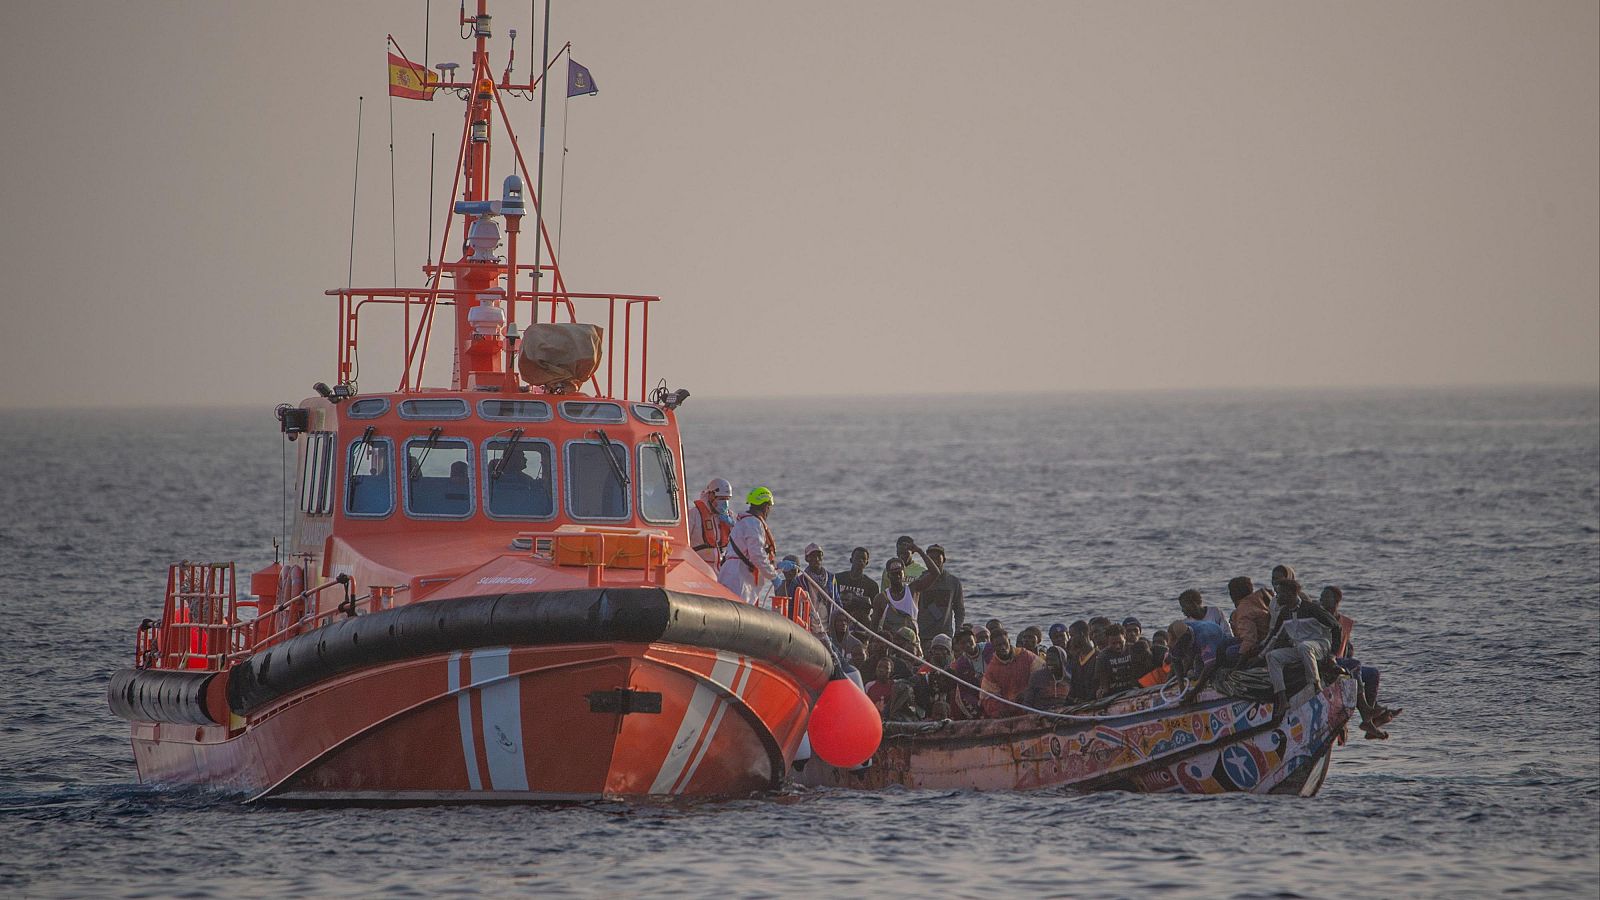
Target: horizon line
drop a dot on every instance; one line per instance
(932, 394)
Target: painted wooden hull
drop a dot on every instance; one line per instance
(504, 724)
(1215, 745)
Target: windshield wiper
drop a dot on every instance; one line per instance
(664, 456)
(499, 466)
(616, 467)
(365, 442)
(433, 435)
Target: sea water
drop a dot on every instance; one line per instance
(1463, 526)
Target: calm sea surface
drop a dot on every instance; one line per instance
(1464, 527)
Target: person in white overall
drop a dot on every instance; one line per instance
(750, 565)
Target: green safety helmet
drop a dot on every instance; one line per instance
(759, 496)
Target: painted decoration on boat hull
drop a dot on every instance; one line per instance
(1220, 745)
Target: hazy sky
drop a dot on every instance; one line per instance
(832, 197)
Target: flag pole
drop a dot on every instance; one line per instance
(538, 196)
(561, 185)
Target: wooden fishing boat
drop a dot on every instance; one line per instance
(1141, 742)
(486, 590)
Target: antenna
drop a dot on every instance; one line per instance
(538, 195)
(355, 182)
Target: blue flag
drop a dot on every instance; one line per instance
(579, 81)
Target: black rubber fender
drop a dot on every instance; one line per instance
(159, 695)
(591, 615)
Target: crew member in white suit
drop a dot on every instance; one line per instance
(750, 565)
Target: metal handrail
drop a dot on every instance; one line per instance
(237, 638)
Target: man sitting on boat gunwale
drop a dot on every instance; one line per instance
(1300, 631)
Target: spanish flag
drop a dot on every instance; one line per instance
(409, 80)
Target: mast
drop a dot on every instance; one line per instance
(480, 345)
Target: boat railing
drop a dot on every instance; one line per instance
(201, 627)
(796, 608)
(624, 375)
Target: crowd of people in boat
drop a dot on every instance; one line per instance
(907, 636)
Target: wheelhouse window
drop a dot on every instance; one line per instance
(597, 480)
(658, 484)
(316, 476)
(515, 410)
(519, 481)
(369, 487)
(650, 415)
(589, 412)
(439, 480)
(367, 408)
(440, 408)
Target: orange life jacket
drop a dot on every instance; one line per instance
(1346, 625)
(714, 531)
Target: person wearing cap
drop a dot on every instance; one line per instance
(817, 577)
(1132, 629)
(1250, 616)
(941, 605)
(1051, 685)
(788, 581)
(1058, 635)
(750, 567)
(905, 637)
(903, 546)
(932, 683)
(710, 521)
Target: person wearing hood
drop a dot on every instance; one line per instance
(822, 607)
(711, 522)
(750, 567)
(932, 683)
(1051, 685)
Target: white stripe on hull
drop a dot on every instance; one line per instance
(464, 717)
(688, 746)
(502, 719)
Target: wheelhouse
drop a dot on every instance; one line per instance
(381, 463)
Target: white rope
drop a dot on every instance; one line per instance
(1066, 717)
